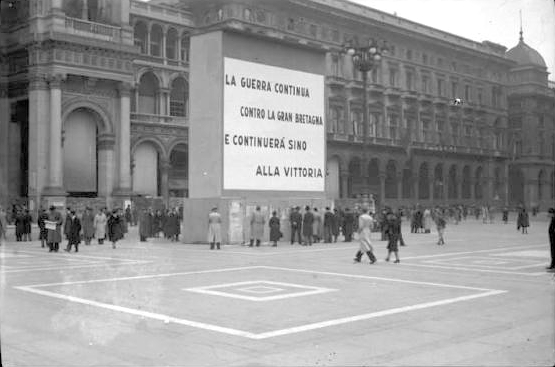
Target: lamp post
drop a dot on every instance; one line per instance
(365, 59)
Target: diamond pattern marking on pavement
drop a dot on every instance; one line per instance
(260, 287)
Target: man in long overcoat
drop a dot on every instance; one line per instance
(43, 232)
(3, 225)
(308, 221)
(87, 222)
(145, 225)
(275, 233)
(74, 233)
(296, 219)
(100, 222)
(257, 226)
(328, 225)
(54, 235)
(336, 224)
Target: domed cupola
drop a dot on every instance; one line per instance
(525, 55)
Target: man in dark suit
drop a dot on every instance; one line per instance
(349, 225)
(308, 221)
(73, 226)
(296, 219)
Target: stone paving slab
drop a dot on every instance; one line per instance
(511, 328)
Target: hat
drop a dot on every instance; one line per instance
(551, 211)
(52, 207)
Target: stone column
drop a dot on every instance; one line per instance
(344, 184)
(106, 167)
(85, 11)
(165, 167)
(472, 188)
(164, 47)
(164, 101)
(55, 159)
(415, 188)
(431, 183)
(445, 187)
(178, 58)
(124, 185)
(39, 111)
(4, 143)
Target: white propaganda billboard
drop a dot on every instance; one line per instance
(274, 132)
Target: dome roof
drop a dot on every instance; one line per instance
(525, 55)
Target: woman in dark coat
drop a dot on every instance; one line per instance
(87, 222)
(523, 221)
(275, 233)
(43, 232)
(145, 225)
(19, 225)
(115, 231)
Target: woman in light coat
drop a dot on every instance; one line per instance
(428, 222)
(100, 221)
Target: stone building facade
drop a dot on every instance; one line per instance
(94, 102)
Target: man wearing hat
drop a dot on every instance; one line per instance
(214, 228)
(54, 235)
(74, 231)
(551, 213)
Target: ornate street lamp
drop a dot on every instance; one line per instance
(365, 59)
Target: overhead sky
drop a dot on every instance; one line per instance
(493, 20)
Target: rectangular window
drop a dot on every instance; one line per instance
(374, 76)
(335, 65)
(440, 62)
(467, 93)
(409, 80)
(409, 54)
(425, 59)
(480, 101)
(440, 87)
(454, 92)
(425, 82)
(393, 122)
(392, 77)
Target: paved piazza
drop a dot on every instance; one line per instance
(484, 298)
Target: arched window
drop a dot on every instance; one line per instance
(466, 182)
(423, 182)
(156, 40)
(179, 97)
(171, 44)
(391, 181)
(148, 87)
(184, 47)
(140, 35)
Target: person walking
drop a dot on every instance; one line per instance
(257, 226)
(399, 216)
(349, 225)
(295, 220)
(67, 223)
(328, 225)
(214, 228)
(54, 234)
(364, 231)
(275, 233)
(100, 221)
(27, 221)
(523, 221)
(43, 232)
(551, 232)
(115, 230)
(440, 224)
(308, 221)
(427, 221)
(393, 228)
(19, 225)
(505, 215)
(87, 223)
(74, 234)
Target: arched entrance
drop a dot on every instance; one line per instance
(452, 183)
(516, 186)
(148, 89)
(355, 184)
(178, 174)
(438, 182)
(423, 182)
(146, 172)
(478, 187)
(466, 182)
(407, 182)
(391, 180)
(374, 179)
(80, 158)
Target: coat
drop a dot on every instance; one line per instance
(87, 223)
(19, 224)
(349, 223)
(115, 230)
(275, 233)
(100, 221)
(3, 225)
(335, 224)
(257, 225)
(145, 225)
(67, 225)
(308, 221)
(365, 224)
(317, 225)
(214, 227)
(74, 230)
(171, 225)
(55, 235)
(43, 232)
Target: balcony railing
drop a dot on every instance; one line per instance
(162, 13)
(159, 119)
(91, 29)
